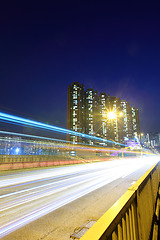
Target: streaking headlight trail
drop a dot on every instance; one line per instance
(34, 124)
(28, 196)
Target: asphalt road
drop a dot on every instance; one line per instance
(51, 203)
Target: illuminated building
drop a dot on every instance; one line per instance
(127, 129)
(151, 139)
(113, 123)
(76, 110)
(104, 104)
(89, 102)
(135, 122)
(89, 112)
(92, 113)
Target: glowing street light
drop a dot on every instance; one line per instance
(120, 114)
(111, 115)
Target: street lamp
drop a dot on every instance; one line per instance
(111, 115)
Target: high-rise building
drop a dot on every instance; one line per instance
(104, 106)
(113, 124)
(127, 130)
(135, 122)
(92, 117)
(88, 113)
(76, 110)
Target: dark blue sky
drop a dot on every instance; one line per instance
(111, 47)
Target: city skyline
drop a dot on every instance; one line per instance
(79, 120)
(101, 115)
(109, 47)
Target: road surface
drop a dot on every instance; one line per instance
(51, 203)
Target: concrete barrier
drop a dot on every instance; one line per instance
(34, 161)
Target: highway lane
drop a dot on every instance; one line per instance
(29, 195)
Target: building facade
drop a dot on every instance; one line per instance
(91, 106)
(150, 139)
(87, 112)
(104, 104)
(76, 110)
(135, 122)
(127, 129)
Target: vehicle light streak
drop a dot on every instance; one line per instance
(34, 124)
(40, 137)
(43, 193)
(50, 174)
(49, 189)
(10, 145)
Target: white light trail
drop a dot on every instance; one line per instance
(34, 124)
(50, 189)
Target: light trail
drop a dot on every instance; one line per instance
(46, 190)
(41, 138)
(34, 124)
(53, 141)
(54, 144)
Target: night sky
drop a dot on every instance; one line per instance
(110, 46)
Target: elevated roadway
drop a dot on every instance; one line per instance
(51, 203)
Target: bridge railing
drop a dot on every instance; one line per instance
(132, 216)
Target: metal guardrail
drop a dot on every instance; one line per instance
(132, 216)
